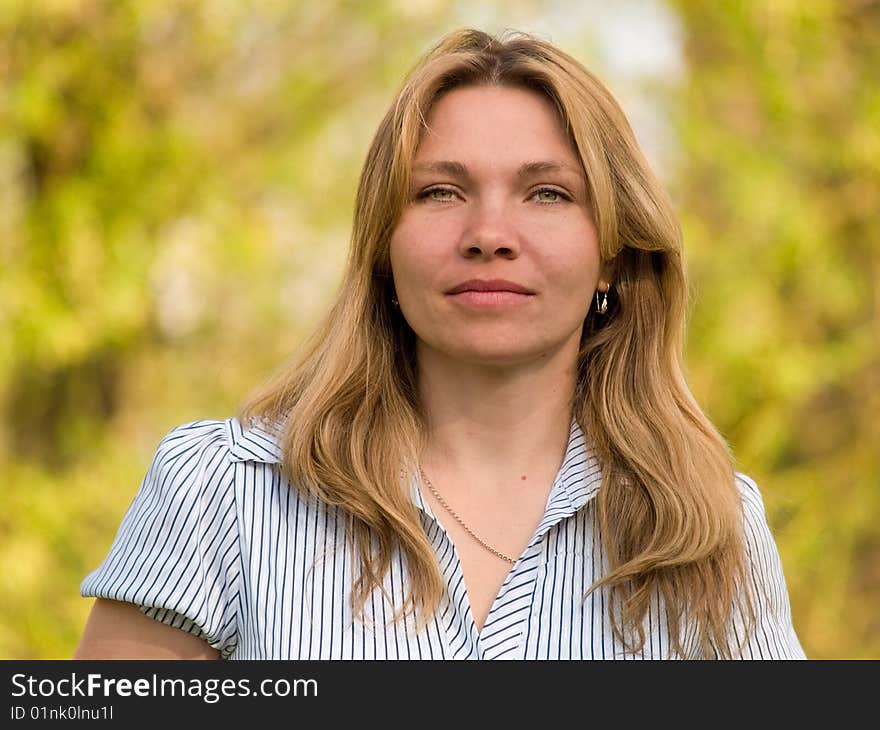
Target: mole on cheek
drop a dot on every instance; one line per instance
(523, 477)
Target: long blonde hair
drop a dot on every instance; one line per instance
(669, 511)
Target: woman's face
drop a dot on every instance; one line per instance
(497, 193)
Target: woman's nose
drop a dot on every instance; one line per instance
(490, 231)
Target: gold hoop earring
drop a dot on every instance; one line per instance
(603, 307)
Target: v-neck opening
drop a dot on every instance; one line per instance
(502, 633)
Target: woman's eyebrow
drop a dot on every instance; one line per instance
(527, 169)
(455, 169)
(541, 166)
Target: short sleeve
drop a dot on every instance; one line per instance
(176, 552)
(773, 636)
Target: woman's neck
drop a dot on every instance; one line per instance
(496, 424)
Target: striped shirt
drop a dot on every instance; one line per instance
(217, 542)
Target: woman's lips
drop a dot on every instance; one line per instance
(490, 285)
(490, 299)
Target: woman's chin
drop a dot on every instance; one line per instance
(500, 355)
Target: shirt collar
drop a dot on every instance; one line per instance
(576, 482)
(257, 442)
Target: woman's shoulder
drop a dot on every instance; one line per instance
(759, 537)
(748, 487)
(229, 439)
(752, 498)
(774, 636)
(754, 512)
(197, 459)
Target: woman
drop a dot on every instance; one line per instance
(487, 449)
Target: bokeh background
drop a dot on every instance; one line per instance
(176, 192)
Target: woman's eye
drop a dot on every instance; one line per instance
(439, 194)
(445, 195)
(549, 195)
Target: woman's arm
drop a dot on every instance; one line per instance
(117, 630)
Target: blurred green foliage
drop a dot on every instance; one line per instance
(779, 189)
(176, 187)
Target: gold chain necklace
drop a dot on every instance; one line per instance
(461, 521)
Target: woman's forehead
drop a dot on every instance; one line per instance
(467, 106)
(487, 126)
